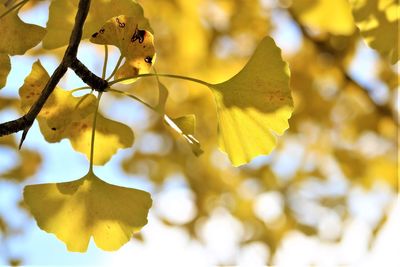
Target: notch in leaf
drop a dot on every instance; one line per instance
(88, 207)
(254, 105)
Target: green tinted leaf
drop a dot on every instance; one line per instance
(5, 67)
(89, 207)
(135, 44)
(254, 105)
(66, 116)
(16, 35)
(378, 21)
(62, 14)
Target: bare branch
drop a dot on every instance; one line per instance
(88, 77)
(69, 60)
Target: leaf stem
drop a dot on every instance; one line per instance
(94, 132)
(103, 75)
(163, 75)
(131, 96)
(82, 99)
(18, 5)
(80, 89)
(115, 68)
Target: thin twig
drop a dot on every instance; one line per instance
(69, 60)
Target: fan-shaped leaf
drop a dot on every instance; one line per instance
(66, 116)
(62, 14)
(16, 35)
(135, 44)
(253, 105)
(89, 207)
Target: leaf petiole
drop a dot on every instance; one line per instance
(103, 76)
(180, 77)
(94, 133)
(115, 68)
(80, 89)
(131, 96)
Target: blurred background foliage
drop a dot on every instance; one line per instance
(342, 140)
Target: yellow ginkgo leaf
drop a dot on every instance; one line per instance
(318, 15)
(378, 21)
(16, 35)
(89, 207)
(66, 116)
(253, 105)
(110, 136)
(5, 67)
(62, 14)
(185, 126)
(135, 44)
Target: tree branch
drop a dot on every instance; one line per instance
(69, 60)
(88, 77)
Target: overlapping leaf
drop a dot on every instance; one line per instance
(185, 126)
(135, 43)
(378, 21)
(5, 67)
(89, 207)
(253, 105)
(62, 14)
(325, 15)
(66, 116)
(17, 36)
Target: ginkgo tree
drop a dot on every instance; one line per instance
(252, 107)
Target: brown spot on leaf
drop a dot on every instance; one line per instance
(120, 24)
(148, 59)
(138, 35)
(54, 128)
(94, 35)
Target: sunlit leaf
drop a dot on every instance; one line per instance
(62, 14)
(253, 105)
(185, 126)
(110, 136)
(5, 67)
(318, 14)
(66, 116)
(135, 43)
(89, 207)
(378, 21)
(16, 35)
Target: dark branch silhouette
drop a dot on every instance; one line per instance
(69, 60)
